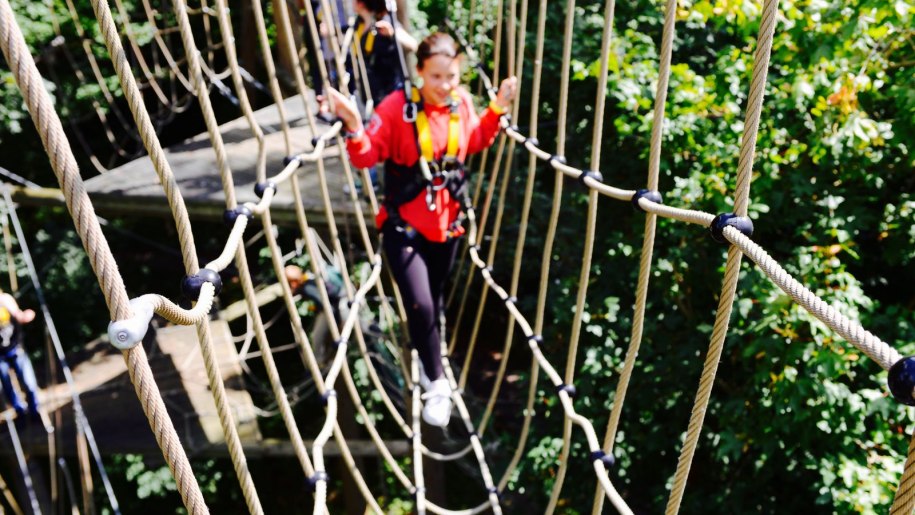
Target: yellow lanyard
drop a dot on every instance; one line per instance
(425, 134)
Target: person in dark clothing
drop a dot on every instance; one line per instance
(376, 36)
(326, 22)
(11, 355)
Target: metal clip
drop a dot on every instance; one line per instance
(126, 334)
(409, 112)
(430, 202)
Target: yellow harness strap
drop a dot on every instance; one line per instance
(425, 134)
(369, 40)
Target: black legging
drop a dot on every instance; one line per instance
(421, 268)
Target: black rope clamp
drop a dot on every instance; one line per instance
(289, 159)
(494, 490)
(741, 223)
(261, 187)
(319, 475)
(327, 395)
(569, 389)
(536, 338)
(901, 380)
(594, 174)
(410, 110)
(511, 300)
(558, 159)
(230, 215)
(191, 284)
(652, 195)
(607, 459)
(532, 140)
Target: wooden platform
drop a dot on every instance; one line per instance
(110, 404)
(118, 422)
(134, 189)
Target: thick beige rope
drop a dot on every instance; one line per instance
(240, 257)
(863, 340)
(100, 258)
(904, 500)
(729, 287)
(147, 132)
(638, 317)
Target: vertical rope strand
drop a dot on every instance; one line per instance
(585, 273)
(522, 232)
(638, 317)
(732, 269)
(103, 265)
(904, 500)
(525, 214)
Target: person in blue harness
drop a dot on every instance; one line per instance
(11, 355)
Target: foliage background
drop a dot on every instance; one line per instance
(798, 420)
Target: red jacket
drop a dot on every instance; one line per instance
(388, 136)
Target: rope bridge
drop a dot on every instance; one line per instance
(193, 71)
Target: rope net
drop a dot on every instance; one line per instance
(191, 73)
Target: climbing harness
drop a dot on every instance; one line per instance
(403, 183)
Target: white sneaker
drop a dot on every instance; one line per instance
(437, 406)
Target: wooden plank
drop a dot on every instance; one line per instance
(263, 297)
(134, 188)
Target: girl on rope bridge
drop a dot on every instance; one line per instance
(423, 140)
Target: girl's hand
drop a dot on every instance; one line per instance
(506, 93)
(384, 28)
(345, 109)
(26, 316)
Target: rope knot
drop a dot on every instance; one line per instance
(261, 188)
(592, 174)
(191, 284)
(652, 195)
(741, 223)
(568, 388)
(313, 480)
(901, 380)
(231, 215)
(607, 459)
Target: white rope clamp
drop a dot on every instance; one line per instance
(126, 334)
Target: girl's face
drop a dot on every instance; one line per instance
(441, 74)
